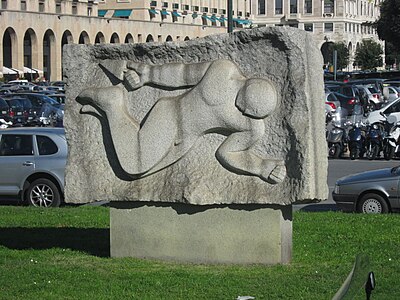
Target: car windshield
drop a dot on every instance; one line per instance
(51, 101)
(25, 103)
(13, 103)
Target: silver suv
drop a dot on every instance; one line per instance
(32, 164)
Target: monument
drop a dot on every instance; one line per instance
(201, 146)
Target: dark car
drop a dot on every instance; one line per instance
(38, 100)
(4, 110)
(369, 192)
(29, 112)
(15, 111)
(60, 98)
(346, 102)
(348, 90)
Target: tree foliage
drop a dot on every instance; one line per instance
(392, 55)
(388, 24)
(342, 54)
(369, 55)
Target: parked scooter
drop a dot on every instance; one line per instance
(336, 136)
(356, 134)
(391, 145)
(374, 140)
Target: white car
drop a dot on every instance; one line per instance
(390, 109)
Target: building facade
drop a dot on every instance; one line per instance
(329, 21)
(33, 32)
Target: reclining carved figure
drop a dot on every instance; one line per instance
(217, 98)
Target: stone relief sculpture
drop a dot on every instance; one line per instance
(216, 98)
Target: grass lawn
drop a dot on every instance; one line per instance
(64, 254)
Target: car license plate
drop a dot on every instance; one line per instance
(3, 112)
(30, 118)
(19, 113)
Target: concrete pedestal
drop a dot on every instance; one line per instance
(238, 234)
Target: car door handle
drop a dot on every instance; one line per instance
(27, 164)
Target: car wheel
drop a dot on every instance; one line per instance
(372, 204)
(43, 193)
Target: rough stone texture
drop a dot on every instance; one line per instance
(239, 234)
(293, 124)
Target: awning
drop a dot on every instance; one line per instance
(153, 11)
(9, 71)
(209, 18)
(101, 12)
(30, 71)
(176, 14)
(122, 13)
(164, 12)
(244, 21)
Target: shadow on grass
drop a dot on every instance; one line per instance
(93, 241)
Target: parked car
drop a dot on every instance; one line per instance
(4, 110)
(32, 164)
(28, 111)
(391, 93)
(60, 98)
(369, 192)
(388, 109)
(15, 111)
(38, 100)
(344, 89)
(369, 94)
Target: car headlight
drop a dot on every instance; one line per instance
(337, 189)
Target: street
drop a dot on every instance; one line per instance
(341, 167)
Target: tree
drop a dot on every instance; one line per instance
(392, 55)
(369, 55)
(388, 24)
(342, 54)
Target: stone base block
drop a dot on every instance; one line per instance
(237, 234)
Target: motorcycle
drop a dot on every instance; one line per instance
(356, 134)
(391, 140)
(356, 141)
(336, 136)
(374, 140)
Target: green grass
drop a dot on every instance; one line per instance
(64, 254)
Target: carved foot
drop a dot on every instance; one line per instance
(103, 98)
(274, 171)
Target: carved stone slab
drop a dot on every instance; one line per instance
(231, 118)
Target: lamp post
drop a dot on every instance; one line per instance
(230, 20)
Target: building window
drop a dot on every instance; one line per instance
(293, 6)
(153, 3)
(222, 11)
(261, 7)
(89, 11)
(214, 10)
(329, 7)
(3, 4)
(204, 9)
(41, 6)
(278, 7)
(74, 9)
(23, 5)
(175, 5)
(58, 7)
(165, 4)
(185, 6)
(358, 28)
(195, 8)
(240, 14)
(328, 27)
(309, 27)
(345, 27)
(308, 6)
